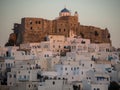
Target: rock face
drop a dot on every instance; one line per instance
(36, 29)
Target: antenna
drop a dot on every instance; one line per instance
(65, 6)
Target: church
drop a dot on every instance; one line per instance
(37, 29)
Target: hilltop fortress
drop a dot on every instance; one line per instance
(37, 29)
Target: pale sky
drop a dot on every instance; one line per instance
(99, 13)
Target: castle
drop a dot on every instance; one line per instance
(36, 29)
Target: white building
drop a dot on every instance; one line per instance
(55, 85)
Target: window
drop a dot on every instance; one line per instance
(53, 82)
(74, 68)
(59, 46)
(29, 86)
(59, 30)
(30, 21)
(28, 71)
(10, 83)
(10, 76)
(82, 72)
(72, 77)
(83, 65)
(91, 65)
(22, 53)
(36, 22)
(6, 65)
(82, 42)
(98, 89)
(39, 22)
(47, 55)
(24, 76)
(18, 71)
(96, 33)
(31, 28)
(14, 76)
(64, 30)
(65, 68)
(107, 79)
(21, 66)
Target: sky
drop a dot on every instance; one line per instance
(99, 13)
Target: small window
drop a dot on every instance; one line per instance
(72, 77)
(18, 71)
(83, 65)
(47, 55)
(28, 71)
(74, 68)
(10, 76)
(82, 42)
(20, 77)
(22, 53)
(39, 22)
(65, 68)
(59, 30)
(44, 55)
(53, 82)
(36, 22)
(96, 33)
(91, 65)
(34, 85)
(29, 86)
(31, 28)
(24, 76)
(14, 76)
(21, 66)
(30, 21)
(98, 89)
(82, 72)
(59, 46)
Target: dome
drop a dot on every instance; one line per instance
(65, 10)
